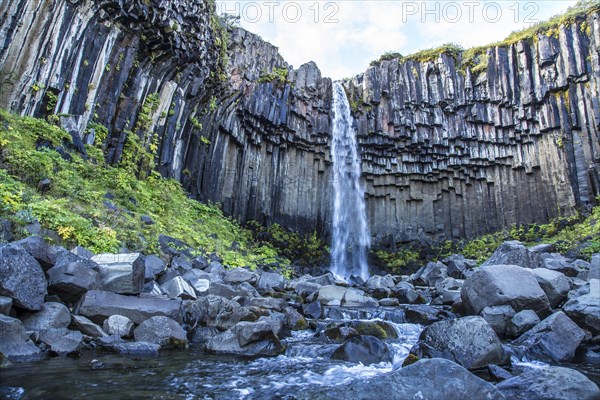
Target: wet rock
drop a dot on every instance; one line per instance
(85, 326)
(498, 373)
(216, 311)
(52, 315)
(115, 345)
(340, 333)
(425, 379)
(468, 341)
(163, 331)
(406, 294)
(498, 318)
(522, 322)
(594, 270)
(99, 305)
(555, 339)
(513, 253)
(357, 298)
(14, 342)
(178, 288)
(71, 277)
(201, 334)
(496, 285)
(424, 314)
(249, 339)
(118, 326)
(62, 341)
(21, 278)
(549, 383)
(585, 309)
(120, 273)
(5, 305)
(363, 349)
(312, 310)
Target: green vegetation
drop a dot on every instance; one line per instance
(399, 262)
(220, 28)
(77, 208)
(278, 76)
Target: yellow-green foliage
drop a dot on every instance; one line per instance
(398, 262)
(73, 206)
(278, 75)
(451, 49)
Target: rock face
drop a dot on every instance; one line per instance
(468, 341)
(161, 330)
(120, 273)
(496, 285)
(447, 152)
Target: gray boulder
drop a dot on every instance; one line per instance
(36, 247)
(406, 294)
(332, 295)
(270, 281)
(431, 274)
(111, 344)
(5, 305)
(514, 253)
(549, 382)
(118, 326)
(71, 277)
(62, 341)
(21, 278)
(82, 252)
(178, 288)
(217, 312)
(52, 315)
(163, 331)
(432, 379)
(305, 289)
(121, 273)
(153, 266)
(521, 322)
(249, 339)
(498, 318)
(85, 326)
(380, 282)
(559, 263)
(554, 284)
(497, 285)
(468, 341)
(457, 265)
(239, 275)
(363, 349)
(98, 305)
(585, 309)
(555, 339)
(14, 342)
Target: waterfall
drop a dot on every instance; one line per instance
(351, 237)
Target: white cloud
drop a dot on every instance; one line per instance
(305, 30)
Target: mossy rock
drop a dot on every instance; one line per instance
(370, 328)
(411, 359)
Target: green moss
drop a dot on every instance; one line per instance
(370, 328)
(278, 76)
(411, 359)
(74, 205)
(398, 262)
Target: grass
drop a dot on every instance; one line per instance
(74, 206)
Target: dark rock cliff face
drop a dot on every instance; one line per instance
(446, 153)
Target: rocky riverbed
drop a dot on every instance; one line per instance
(525, 324)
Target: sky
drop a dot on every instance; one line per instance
(344, 36)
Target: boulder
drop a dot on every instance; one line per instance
(5, 305)
(331, 295)
(120, 273)
(71, 277)
(115, 345)
(153, 266)
(62, 341)
(201, 286)
(217, 312)
(554, 284)
(430, 274)
(521, 322)
(559, 263)
(270, 281)
(312, 310)
(357, 298)
(82, 252)
(468, 341)
(498, 318)
(178, 288)
(99, 305)
(549, 382)
(36, 247)
(555, 339)
(497, 285)
(585, 309)
(457, 265)
(249, 339)
(239, 275)
(363, 349)
(514, 253)
(118, 326)
(379, 282)
(52, 315)
(163, 331)
(430, 379)
(21, 278)
(85, 326)
(14, 342)
(307, 288)
(406, 294)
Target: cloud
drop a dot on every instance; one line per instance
(343, 36)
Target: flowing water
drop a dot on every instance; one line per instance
(192, 374)
(351, 237)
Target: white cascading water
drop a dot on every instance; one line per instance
(351, 237)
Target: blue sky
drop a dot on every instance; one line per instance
(343, 36)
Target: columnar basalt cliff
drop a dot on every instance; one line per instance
(447, 152)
